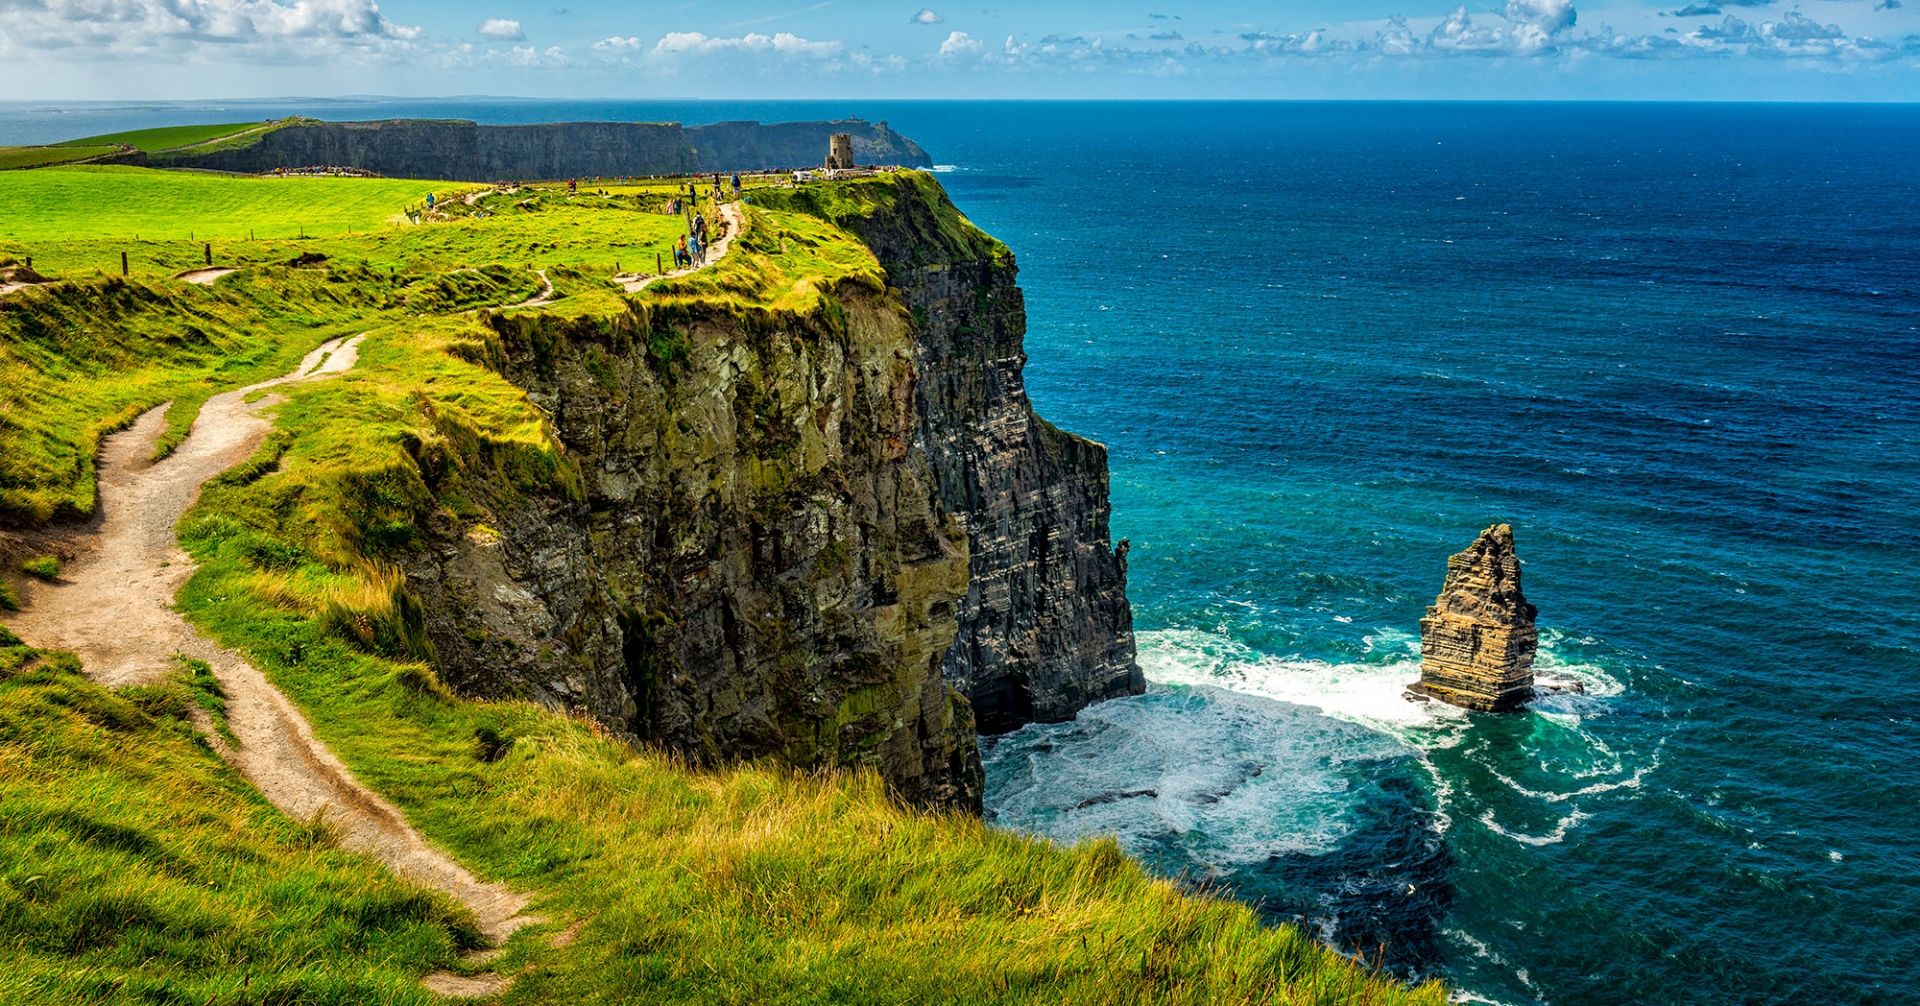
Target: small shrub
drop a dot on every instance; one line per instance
(8, 599)
(46, 567)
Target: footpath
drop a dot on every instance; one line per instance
(113, 607)
(732, 221)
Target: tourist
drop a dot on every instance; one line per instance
(736, 185)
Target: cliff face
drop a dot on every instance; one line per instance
(741, 146)
(1478, 640)
(755, 563)
(1045, 627)
(800, 535)
(456, 150)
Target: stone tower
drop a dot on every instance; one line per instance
(1478, 640)
(840, 151)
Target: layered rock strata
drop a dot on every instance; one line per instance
(1045, 627)
(456, 150)
(1478, 640)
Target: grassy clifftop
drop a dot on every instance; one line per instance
(134, 866)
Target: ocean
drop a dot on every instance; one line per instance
(1675, 346)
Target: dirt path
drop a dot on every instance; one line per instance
(205, 277)
(545, 296)
(735, 221)
(113, 607)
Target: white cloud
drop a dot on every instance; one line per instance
(1528, 28)
(676, 43)
(960, 44)
(1549, 16)
(926, 16)
(616, 43)
(125, 27)
(501, 28)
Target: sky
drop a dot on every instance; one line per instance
(1729, 50)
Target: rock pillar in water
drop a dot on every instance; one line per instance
(1478, 640)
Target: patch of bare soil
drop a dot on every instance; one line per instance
(205, 277)
(453, 986)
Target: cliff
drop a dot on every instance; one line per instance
(754, 562)
(1045, 627)
(804, 532)
(1478, 640)
(457, 150)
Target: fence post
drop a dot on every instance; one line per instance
(123, 264)
(209, 253)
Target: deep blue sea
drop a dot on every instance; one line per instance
(1677, 347)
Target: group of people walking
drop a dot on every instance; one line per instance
(691, 250)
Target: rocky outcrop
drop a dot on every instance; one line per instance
(754, 561)
(1478, 640)
(1045, 627)
(457, 150)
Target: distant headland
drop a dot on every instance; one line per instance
(459, 150)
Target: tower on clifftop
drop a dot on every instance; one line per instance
(840, 152)
(1478, 640)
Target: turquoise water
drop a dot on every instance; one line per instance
(1674, 346)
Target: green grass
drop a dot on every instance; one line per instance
(135, 866)
(754, 884)
(165, 137)
(68, 204)
(46, 567)
(30, 157)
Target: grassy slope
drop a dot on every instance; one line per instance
(83, 358)
(748, 885)
(165, 137)
(136, 866)
(28, 157)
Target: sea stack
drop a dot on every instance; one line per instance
(1478, 640)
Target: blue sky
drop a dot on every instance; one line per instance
(1491, 49)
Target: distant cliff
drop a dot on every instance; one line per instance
(457, 150)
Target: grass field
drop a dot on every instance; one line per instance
(29, 157)
(748, 885)
(75, 204)
(166, 137)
